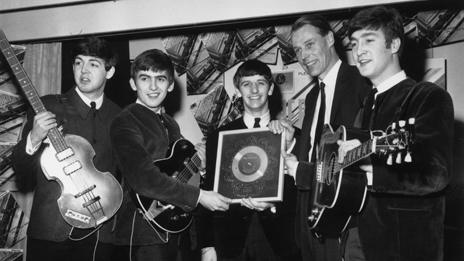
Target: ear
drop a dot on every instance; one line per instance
(237, 91)
(395, 45)
(271, 89)
(171, 87)
(330, 38)
(110, 73)
(132, 84)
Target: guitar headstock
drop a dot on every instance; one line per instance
(396, 142)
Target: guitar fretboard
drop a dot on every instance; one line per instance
(191, 168)
(56, 139)
(358, 153)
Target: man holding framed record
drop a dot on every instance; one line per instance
(255, 229)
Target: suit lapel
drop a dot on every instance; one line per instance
(339, 91)
(311, 99)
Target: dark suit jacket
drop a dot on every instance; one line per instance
(139, 137)
(350, 90)
(46, 222)
(227, 231)
(404, 216)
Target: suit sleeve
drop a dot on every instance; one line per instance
(25, 166)
(205, 217)
(138, 170)
(429, 171)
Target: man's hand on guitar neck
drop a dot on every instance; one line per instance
(43, 123)
(344, 147)
(213, 201)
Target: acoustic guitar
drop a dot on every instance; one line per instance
(339, 195)
(88, 197)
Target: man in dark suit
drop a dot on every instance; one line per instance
(404, 215)
(252, 230)
(141, 134)
(49, 236)
(336, 98)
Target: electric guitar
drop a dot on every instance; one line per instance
(181, 164)
(338, 195)
(88, 197)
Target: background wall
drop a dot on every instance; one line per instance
(145, 24)
(44, 19)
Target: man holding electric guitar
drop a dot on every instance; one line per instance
(145, 140)
(73, 202)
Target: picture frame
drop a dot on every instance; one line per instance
(249, 164)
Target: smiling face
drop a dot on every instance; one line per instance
(255, 90)
(314, 51)
(90, 75)
(152, 87)
(374, 58)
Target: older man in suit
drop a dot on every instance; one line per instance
(337, 96)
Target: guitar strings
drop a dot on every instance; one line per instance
(185, 174)
(55, 133)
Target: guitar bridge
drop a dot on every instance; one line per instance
(319, 172)
(87, 190)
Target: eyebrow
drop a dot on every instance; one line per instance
(91, 59)
(142, 73)
(365, 34)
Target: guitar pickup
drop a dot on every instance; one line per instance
(87, 190)
(71, 168)
(64, 154)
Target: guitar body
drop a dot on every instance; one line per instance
(165, 216)
(338, 194)
(88, 197)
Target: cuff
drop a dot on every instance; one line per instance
(29, 148)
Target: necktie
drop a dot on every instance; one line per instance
(256, 125)
(367, 109)
(93, 115)
(320, 121)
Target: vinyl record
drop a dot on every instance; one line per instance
(249, 164)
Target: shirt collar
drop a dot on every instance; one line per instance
(390, 82)
(158, 110)
(87, 101)
(249, 119)
(331, 78)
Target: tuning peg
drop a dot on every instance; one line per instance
(389, 159)
(402, 123)
(398, 158)
(408, 157)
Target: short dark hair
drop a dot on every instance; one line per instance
(153, 60)
(250, 68)
(97, 47)
(386, 19)
(315, 20)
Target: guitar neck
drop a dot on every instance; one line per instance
(191, 168)
(364, 150)
(56, 139)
